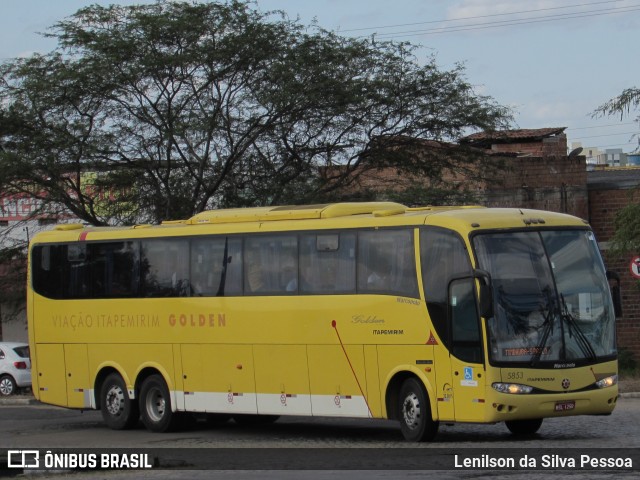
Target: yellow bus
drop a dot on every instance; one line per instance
(374, 310)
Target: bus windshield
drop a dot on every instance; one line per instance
(551, 298)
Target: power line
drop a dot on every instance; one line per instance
(607, 135)
(602, 126)
(507, 23)
(479, 16)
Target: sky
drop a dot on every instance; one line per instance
(554, 62)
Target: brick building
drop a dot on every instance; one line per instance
(609, 191)
(541, 174)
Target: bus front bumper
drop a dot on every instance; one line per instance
(505, 406)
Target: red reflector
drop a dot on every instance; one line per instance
(20, 365)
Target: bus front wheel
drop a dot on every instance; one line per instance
(155, 405)
(414, 413)
(118, 411)
(524, 427)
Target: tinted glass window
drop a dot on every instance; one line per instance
(216, 266)
(49, 269)
(22, 352)
(444, 257)
(165, 268)
(386, 263)
(328, 263)
(271, 265)
(110, 270)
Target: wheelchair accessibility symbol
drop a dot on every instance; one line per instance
(468, 380)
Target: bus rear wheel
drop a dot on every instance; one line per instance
(155, 405)
(414, 413)
(118, 411)
(524, 427)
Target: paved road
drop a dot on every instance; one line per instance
(45, 427)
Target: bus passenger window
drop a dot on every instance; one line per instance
(112, 270)
(386, 263)
(216, 267)
(49, 267)
(327, 263)
(164, 267)
(271, 265)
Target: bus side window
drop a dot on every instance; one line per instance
(386, 263)
(443, 258)
(213, 273)
(465, 329)
(50, 270)
(271, 265)
(164, 266)
(327, 263)
(112, 270)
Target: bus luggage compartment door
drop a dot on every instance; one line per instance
(52, 385)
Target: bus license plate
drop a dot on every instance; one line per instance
(565, 406)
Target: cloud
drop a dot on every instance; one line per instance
(479, 8)
(474, 11)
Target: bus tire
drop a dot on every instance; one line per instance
(155, 405)
(523, 428)
(414, 412)
(118, 411)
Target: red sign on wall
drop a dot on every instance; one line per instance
(635, 267)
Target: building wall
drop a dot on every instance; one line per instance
(604, 203)
(13, 322)
(551, 146)
(554, 183)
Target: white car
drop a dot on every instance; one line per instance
(15, 367)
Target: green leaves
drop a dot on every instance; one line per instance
(177, 107)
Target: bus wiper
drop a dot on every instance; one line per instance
(548, 328)
(581, 338)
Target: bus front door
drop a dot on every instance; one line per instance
(466, 359)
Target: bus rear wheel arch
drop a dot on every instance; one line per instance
(119, 412)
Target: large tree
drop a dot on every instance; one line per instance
(626, 237)
(172, 108)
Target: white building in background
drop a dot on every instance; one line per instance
(21, 217)
(612, 157)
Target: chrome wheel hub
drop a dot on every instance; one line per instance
(411, 411)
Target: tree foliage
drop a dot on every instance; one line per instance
(621, 105)
(627, 222)
(627, 230)
(173, 108)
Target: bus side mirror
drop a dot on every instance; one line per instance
(485, 293)
(615, 292)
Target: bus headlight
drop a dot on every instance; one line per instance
(514, 388)
(607, 381)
